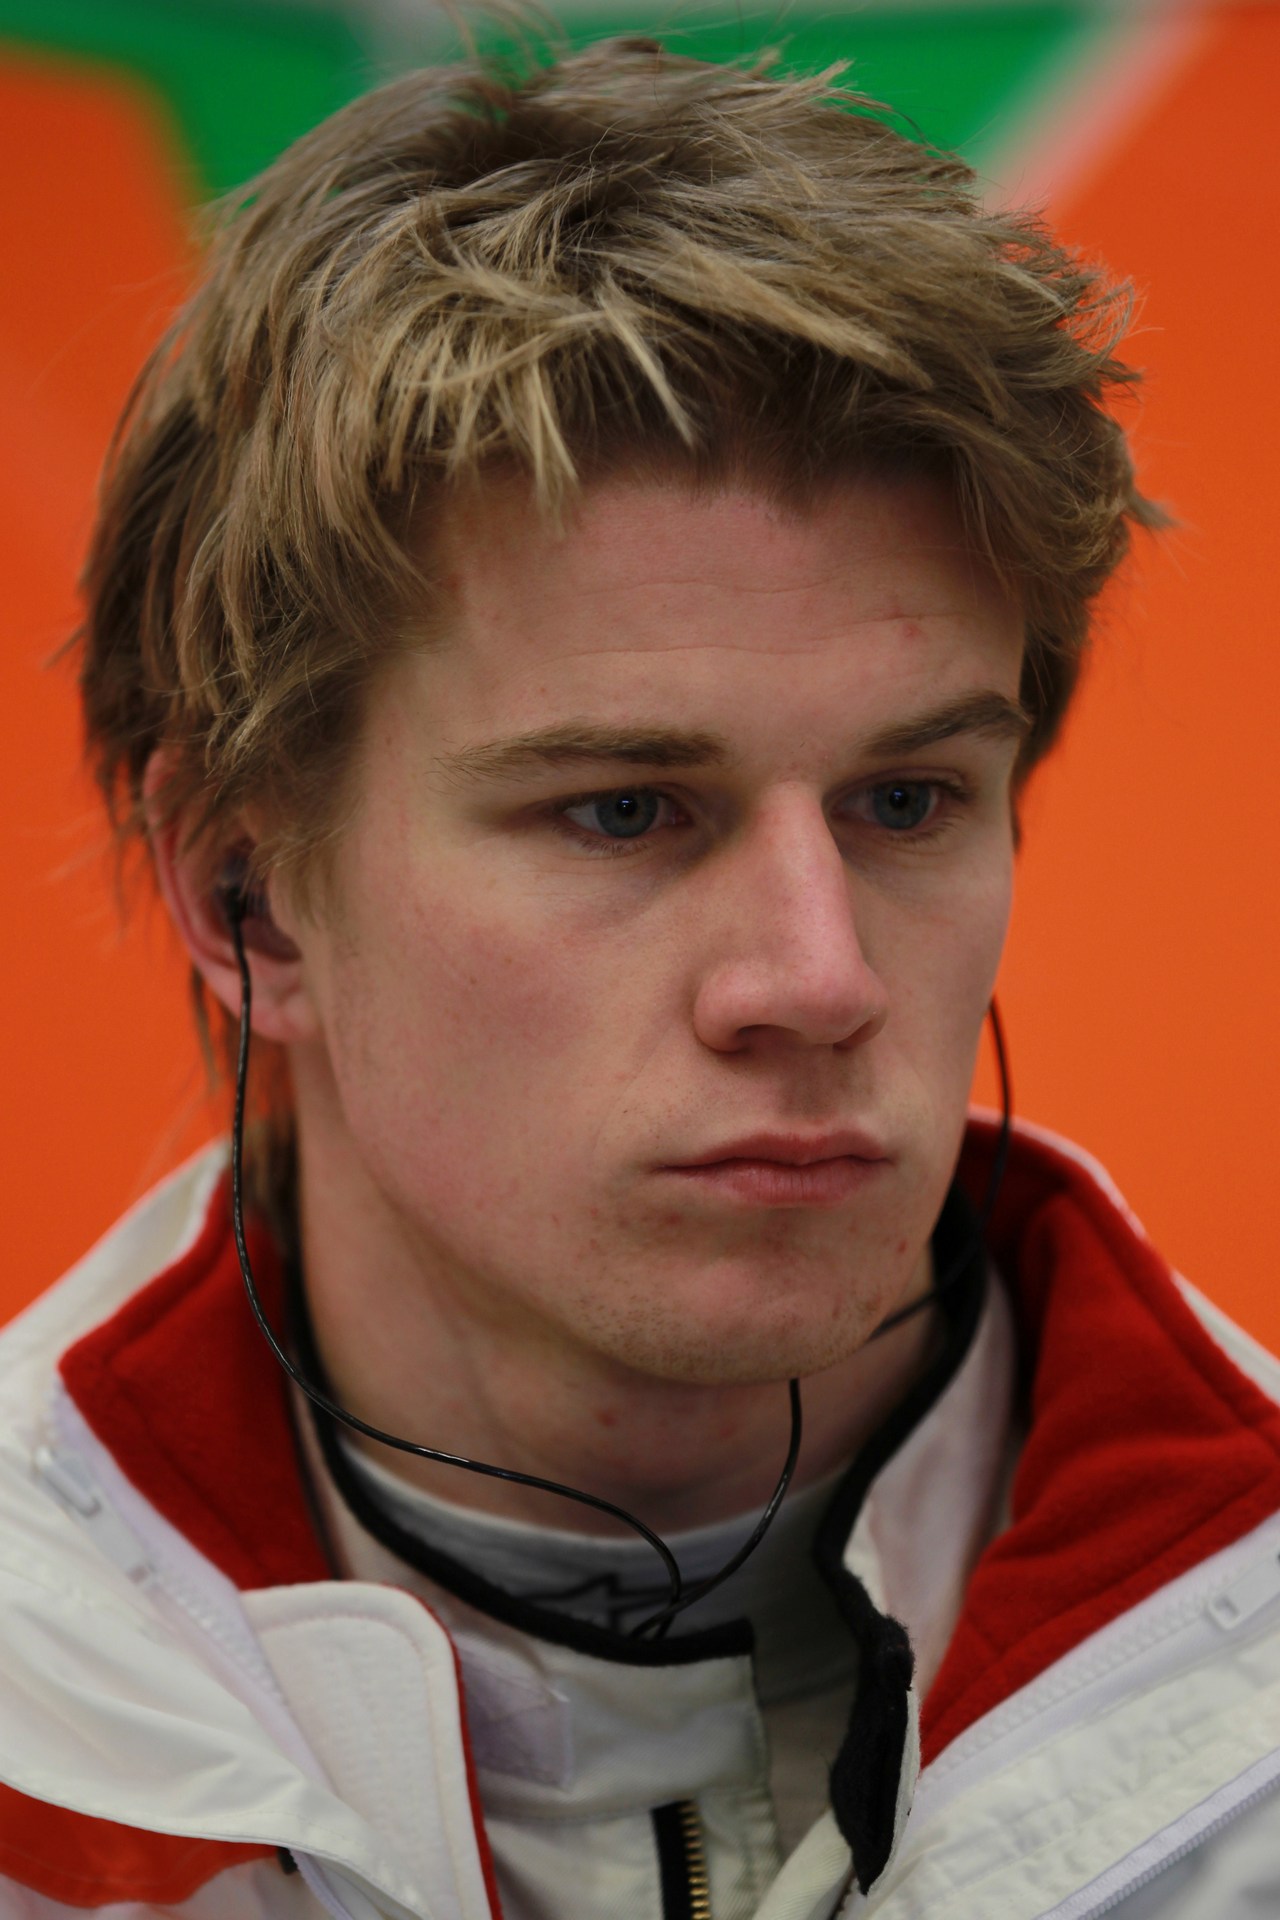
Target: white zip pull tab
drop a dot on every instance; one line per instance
(69, 1481)
(1248, 1594)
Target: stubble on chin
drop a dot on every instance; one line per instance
(692, 1329)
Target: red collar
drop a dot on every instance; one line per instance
(182, 1390)
(1147, 1451)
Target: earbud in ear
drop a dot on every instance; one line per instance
(237, 900)
(245, 906)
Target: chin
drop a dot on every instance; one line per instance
(783, 1342)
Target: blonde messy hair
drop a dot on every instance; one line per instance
(620, 261)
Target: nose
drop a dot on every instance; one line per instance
(788, 963)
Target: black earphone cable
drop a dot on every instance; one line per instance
(236, 905)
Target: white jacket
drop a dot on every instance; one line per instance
(196, 1718)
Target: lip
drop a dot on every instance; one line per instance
(788, 1150)
(784, 1170)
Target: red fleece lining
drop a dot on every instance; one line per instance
(85, 1862)
(185, 1394)
(1124, 1483)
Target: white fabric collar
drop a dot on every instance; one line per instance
(801, 1640)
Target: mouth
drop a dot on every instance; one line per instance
(785, 1170)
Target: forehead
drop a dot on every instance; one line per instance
(659, 596)
(648, 542)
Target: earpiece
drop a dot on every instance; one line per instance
(236, 900)
(247, 911)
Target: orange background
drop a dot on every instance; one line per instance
(1138, 992)
(1140, 983)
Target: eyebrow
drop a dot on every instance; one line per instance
(579, 742)
(991, 714)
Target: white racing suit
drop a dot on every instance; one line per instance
(197, 1719)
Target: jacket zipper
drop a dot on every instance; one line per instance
(1077, 1905)
(682, 1861)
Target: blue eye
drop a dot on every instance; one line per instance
(623, 815)
(901, 805)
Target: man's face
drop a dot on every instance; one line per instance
(665, 928)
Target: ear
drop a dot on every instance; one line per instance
(193, 881)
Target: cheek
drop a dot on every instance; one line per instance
(454, 1036)
(953, 976)
(971, 992)
(993, 926)
(980, 942)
